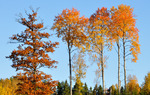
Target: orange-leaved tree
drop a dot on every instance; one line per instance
(70, 26)
(115, 36)
(124, 28)
(31, 55)
(98, 38)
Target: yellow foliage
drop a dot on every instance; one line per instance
(146, 86)
(79, 68)
(8, 86)
(133, 86)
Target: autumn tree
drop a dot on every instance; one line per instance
(8, 86)
(70, 26)
(113, 90)
(31, 55)
(79, 68)
(146, 85)
(98, 38)
(123, 29)
(115, 36)
(133, 86)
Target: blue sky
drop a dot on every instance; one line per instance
(9, 9)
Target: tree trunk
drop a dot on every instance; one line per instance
(70, 70)
(34, 66)
(119, 82)
(102, 64)
(124, 59)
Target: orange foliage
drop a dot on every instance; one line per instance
(98, 38)
(98, 35)
(31, 56)
(122, 26)
(71, 27)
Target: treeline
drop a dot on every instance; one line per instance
(9, 86)
(133, 88)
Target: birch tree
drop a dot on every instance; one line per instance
(98, 39)
(125, 29)
(70, 26)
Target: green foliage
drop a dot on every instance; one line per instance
(76, 89)
(95, 90)
(59, 88)
(90, 91)
(100, 90)
(65, 88)
(85, 90)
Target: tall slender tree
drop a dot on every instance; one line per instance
(98, 39)
(70, 26)
(115, 36)
(31, 55)
(124, 25)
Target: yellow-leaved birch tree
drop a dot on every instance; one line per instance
(98, 38)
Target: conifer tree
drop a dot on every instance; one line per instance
(59, 89)
(100, 90)
(85, 90)
(66, 88)
(95, 90)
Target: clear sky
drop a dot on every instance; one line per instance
(9, 9)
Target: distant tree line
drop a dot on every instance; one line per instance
(8, 87)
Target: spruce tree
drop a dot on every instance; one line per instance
(85, 90)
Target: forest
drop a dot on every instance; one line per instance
(9, 86)
(92, 37)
